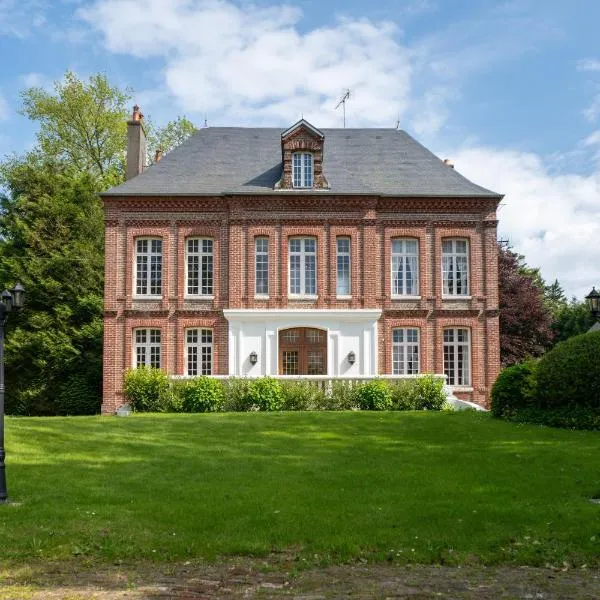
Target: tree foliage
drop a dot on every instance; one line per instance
(166, 138)
(82, 123)
(524, 316)
(52, 241)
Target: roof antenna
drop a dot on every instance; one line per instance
(345, 97)
(205, 121)
(398, 122)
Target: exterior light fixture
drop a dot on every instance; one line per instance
(253, 358)
(593, 302)
(9, 301)
(351, 357)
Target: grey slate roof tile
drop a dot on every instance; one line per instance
(240, 160)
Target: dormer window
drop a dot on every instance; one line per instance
(303, 169)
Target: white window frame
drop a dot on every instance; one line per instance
(453, 375)
(200, 254)
(264, 254)
(406, 346)
(343, 254)
(199, 345)
(305, 172)
(148, 254)
(447, 290)
(303, 254)
(404, 256)
(148, 344)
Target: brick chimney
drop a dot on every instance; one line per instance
(136, 144)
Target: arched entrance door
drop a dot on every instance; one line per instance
(302, 351)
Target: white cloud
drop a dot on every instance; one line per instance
(592, 112)
(4, 110)
(588, 64)
(249, 63)
(554, 220)
(34, 79)
(19, 17)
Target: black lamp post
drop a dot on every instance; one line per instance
(13, 299)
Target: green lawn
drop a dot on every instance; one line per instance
(406, 487)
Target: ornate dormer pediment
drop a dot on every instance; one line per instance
(302, 158)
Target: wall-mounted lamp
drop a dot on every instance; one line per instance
(253, 358)
(351, 357)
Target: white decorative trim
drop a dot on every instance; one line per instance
(310, 315)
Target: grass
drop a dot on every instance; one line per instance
(449, 488)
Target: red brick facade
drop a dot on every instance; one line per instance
(233, 223)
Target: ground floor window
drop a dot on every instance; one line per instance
(199, 351)
(147, 348)
(405, 351)
(303, 351)
(457, 353)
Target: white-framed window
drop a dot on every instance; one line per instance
(455, 267)
(343, 266)
(261, 264)
(146, 348)
(303, 266)
(302, 169)
(198, 351)
(199, 261)
(405, 351)
(405, 267)
(148, 267)
(457, 356)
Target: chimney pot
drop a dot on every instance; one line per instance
(137, 115)
(158, 155)
(449, 163)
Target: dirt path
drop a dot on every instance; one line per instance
(254, 579)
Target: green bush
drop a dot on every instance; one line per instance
(237, 398)
(402, 394)
(569, 375)
(568, 418)
(341, 397)
(147, 390)
(301, 395)
(78, 396)
(373, 395)
(202, 394)
(265, 394)
(515, 389)
(428, 393)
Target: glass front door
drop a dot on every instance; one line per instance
(302, 351)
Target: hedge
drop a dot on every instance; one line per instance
(150, 390)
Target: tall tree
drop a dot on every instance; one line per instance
(166, 138)
(83, 123)
(52, 240)
(571, 318)
(524, 317)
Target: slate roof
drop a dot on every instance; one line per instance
(247, 160)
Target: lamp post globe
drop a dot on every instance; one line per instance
(593, 302)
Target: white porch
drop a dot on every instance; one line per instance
(347, 331)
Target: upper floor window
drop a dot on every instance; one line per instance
(199, 266)
(405, 267)
(261, 248)
(343, 266)
(303, 266)
(455, 267)
(147, 348)
(457, 353)
(302, 169)
(405, 351)
(199, 351)
(148, 267)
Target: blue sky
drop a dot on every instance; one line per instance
(509, 90)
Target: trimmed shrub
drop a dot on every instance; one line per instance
(202, 394)
(341, 397)
(78, 396)
(402, 394)
(515, 389)
(147, 390)
(428, 393)
(569, 375)
(373, 395)
(568, 418)
(237, 397)
(301, 395)
(265, 394)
